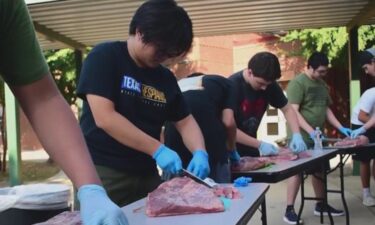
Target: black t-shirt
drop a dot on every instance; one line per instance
(207, 96)
(146, 97)
(252, 104)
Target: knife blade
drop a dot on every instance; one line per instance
(197, 179)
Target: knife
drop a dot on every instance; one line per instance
(207, 182)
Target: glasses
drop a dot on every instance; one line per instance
(323, 71)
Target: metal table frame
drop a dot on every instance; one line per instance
(344, 154)
(285, 170)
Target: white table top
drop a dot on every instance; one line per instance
(238, 209)
(284, 165)
(285, 169)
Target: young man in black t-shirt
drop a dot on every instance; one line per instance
(211, 99)
(256, 89)
(128, 95)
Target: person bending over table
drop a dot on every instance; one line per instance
(309, 97)
(363, 121)
(211, 99)
(128, 96)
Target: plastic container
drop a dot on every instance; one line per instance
(318, 144)
(34, 203)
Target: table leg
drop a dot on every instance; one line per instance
(264, 212)
(325, 199)
(342, 188)
(302, 198)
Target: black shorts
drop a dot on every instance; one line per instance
(365, 156)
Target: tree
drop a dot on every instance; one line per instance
(62, 66)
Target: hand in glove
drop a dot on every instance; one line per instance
(267, 149)
(97, 208)
(167, 159)
(355, 133)
(234, 157)
(199, 164)
(297, 144)
(345, 131)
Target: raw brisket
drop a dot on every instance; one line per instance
(182, 195)
(64, 218)
(248, 163)
(348, 142)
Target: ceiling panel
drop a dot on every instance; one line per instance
(88, 22)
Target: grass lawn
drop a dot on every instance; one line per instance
(32, 171)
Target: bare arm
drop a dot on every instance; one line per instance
(245, 139)
(191, 133)
(302, 122)
(231, 128)
(363, 116)
(332, 119)
(291, 117)
(370, 123)
(57, 129)
(118, 127)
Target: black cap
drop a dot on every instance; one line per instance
(367, 56)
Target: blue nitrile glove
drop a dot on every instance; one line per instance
(167, 159)
(199, 164)
(234, 157)
(345, 131)
(267, 149)
(313, 135)
(355, 133)
(297, 144)
(242, 181)
(97, 208)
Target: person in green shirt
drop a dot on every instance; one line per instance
(309, 96)
(24, 69)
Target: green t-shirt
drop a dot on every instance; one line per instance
(313, 99)
(21, 59)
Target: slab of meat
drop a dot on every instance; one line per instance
(248, 163)
(348, 142)
(182, 195)
(227, 191)
(64, 218)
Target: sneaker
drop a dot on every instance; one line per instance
(291, 217)
(334, 212)
(369, 201)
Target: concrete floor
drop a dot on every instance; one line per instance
(359, 214)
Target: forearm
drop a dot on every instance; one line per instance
(191, 133)
(57, 130)
(292, 118)
(230, 127)
(301, 121)
(332, 119)
(371, 123)
(125, 132)
(247, 140)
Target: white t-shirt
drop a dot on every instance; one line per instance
(366, 103)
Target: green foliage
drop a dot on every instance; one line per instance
(63, 70)
(332, 41)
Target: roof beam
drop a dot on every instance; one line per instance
(55, 36)
(366, 13)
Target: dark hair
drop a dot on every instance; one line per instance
(164, 24)
(366, 57)
(317, 59)
(195, 74)
(265, 65)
